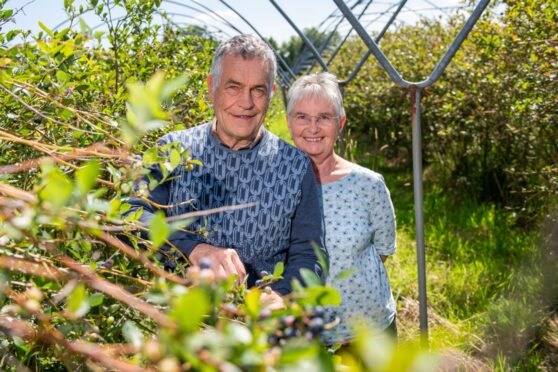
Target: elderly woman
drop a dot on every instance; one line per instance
(358, 213)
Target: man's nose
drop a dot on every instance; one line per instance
(246, 99)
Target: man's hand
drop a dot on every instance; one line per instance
(272, 301)
(224, 261)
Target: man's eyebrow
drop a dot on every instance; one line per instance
(232, 81)
(260, 86)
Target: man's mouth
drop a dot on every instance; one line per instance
(313, 139)
(244, 117)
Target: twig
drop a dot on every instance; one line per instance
(115, 291)
(130, 252)
(90, 350)
(80, 114)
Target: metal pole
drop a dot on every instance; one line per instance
(419, 214)
(307, 42)
(342, 133)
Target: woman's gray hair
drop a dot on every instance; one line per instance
(248, 47)
(323, 85)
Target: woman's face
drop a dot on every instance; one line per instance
(315, 127)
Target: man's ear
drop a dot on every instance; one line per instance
(273, 88)
(210, 86)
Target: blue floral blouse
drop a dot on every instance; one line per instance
(359, 227)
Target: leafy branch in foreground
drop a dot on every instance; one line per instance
(70, 282)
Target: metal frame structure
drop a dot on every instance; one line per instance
(315, 54)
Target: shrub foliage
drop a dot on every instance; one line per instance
(489, 123)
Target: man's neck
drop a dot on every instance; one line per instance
(236, 144)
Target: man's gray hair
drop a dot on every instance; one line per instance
(248, 47)
(323, 85)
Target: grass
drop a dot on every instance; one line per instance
(485, 279)
(487, 282)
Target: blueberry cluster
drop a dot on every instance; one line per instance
(310, 325)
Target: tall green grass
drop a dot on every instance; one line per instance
(487, 284)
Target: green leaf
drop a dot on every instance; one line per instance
(57, 188)
(319, 252)
(46, 29)
(96, 299)
(77, 302)
(175, 158)
(132, 334)
(297, 350)
(325, 296)
(84, 26)
(252, 301)
(171, 86)
(190, 309)
(310, 277)
(61, 76)
(278, 269)
(86, 176)
(159, 230)
(345, 274)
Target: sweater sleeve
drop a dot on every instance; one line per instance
(306, 229)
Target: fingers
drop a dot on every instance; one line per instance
(272, 301)
(223, 262)
(239, 266)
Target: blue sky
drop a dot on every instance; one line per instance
(260, 13)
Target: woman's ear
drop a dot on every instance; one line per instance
(342, 122)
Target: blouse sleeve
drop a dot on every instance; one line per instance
(382, 217)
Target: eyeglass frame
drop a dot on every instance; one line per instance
(310, 119)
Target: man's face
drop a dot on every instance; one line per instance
(240, 99)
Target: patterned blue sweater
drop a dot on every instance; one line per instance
(273, 174)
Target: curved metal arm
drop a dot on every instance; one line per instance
(386, 64)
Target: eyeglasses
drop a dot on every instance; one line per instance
(322, 119)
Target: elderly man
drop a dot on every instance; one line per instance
(243, 163)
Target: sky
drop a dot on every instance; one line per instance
(260, 13)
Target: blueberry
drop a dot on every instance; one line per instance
(291, 332)
(205, 263)
(316, 325)
(263, 273)
(318, 312)
(259, 283)
(107, 264)
(273, 340)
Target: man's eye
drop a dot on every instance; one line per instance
(326, 117)
(233, 88)
(301, 117)
(259, 92)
